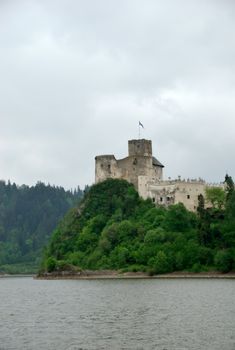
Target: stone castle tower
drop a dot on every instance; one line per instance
(138, 165)
(146, 173)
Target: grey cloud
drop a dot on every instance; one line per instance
(76, 77)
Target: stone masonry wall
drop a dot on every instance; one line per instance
(145, 172)
(138, 163)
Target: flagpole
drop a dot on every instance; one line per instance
(140, 125)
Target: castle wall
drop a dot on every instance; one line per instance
(176, 191)
(143, 186)
(157, 173)
(146, 173)
(105, 168)
(133, 166)
(138, 163)
(188, 192)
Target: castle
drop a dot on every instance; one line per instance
(145, 172)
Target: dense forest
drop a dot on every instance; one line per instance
(113, 228)
(28, 215)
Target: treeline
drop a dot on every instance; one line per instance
(28, 215)
(114, 228)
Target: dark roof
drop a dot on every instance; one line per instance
(157, 163)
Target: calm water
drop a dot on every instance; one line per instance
(117, 314)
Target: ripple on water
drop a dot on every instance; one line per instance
(117, 314)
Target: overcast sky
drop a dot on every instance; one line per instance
(77, 76)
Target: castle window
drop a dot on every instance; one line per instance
(161, 199)
(153, 199)
(168, 199)
(188, 196)
(135, 161)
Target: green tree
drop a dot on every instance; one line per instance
(113, 228)
(215, 196)
(51, 264)
(161, 263)
(178, 218)
(155, 236)
(201, 206)
(229, 186)
(223, 260)
(28, 216)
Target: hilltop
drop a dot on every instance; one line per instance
(114, 229)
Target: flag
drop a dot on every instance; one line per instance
(140, 124)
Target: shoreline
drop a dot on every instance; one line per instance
(6, 275)
(94, 275)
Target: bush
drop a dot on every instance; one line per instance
(51, 264)
(223, 260)
(154, 236)
(160, 263)
(179, 219)
(75, 258)
(196, 268)
(136, 268)
(179, 261)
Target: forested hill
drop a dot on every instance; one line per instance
(28, 215)
(113, 228)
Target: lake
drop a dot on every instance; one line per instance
(114, 314)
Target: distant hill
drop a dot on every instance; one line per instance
(113, 228)
(28, 215)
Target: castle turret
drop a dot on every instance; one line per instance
(105, 167)
(140, 148)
